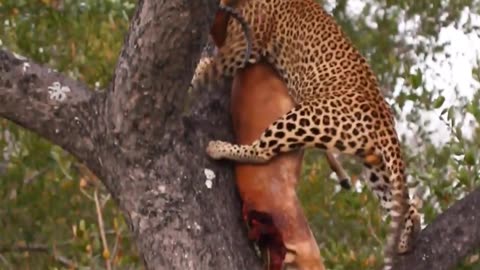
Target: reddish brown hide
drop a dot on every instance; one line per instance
(218, 32)
(271, 207)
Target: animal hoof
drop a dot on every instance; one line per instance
(344, 183)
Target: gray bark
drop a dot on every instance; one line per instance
(452, 236)
(145, 138)
(25, 99)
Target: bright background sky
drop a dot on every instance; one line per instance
(455, 72)
(446, 73)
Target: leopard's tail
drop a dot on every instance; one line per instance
(245, 27)
(398, 208)
(210, 72)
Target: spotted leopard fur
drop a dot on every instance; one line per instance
(340, 107)
(217, 35)
(245, 28)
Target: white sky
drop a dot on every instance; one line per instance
(448, 74)
(444, 74)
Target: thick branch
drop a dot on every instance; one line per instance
(144, 141)
(31, 96)
(448, 239)
(154, 160)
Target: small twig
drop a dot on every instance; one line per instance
(29, 247)
(5, 261)
(115, 246)
(105, 200)
(25, 247)
(39, 248)
(110, 232)
(64, 260)
(86, 194)
(35, 175)
(372, 232)
(102, 231)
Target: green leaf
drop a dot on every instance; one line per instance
(82, 225)
(457, 149)
(438, 102)
(469, 158)
(417, 79)
(451, 116)
(463, 177)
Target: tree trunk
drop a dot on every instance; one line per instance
(145, 138)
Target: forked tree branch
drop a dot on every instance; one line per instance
(149, 142)
(452, 236)
(51, 104)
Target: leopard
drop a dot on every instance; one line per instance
(217, 37)
(340, 107)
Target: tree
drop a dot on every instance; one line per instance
(142, 137)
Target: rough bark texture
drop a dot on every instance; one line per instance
(448, 239)
(178, 221)
(25, 100)
(146, 142)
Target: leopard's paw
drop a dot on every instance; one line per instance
(216, 149)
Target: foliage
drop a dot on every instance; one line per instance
(47, 197)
